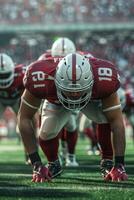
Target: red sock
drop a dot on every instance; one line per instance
(50, 148)
(71, 138)
(104, 139)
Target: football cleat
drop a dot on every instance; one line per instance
(55, 168)
(71, 161)
(106, 166)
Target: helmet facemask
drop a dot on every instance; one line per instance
(74, 102)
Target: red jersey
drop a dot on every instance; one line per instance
(39, 78)
(106, 78)
(45, 55)
(13, 93)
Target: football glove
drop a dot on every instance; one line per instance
(117, 174)
(40, 173)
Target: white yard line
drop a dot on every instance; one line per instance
(10, 148)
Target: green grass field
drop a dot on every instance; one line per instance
(81, 183)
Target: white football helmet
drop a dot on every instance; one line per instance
(62, 47)
(74, 81)
(6, 71)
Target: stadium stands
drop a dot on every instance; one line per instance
(62, 11)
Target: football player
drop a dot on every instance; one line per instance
(129, 108)
(11, 84)
(69, 134)
(73, 83)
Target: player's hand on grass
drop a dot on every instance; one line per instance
(117, 174)
(40, 173)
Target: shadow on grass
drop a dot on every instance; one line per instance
(92, 182)
(17, 168)
(64, 190)
(32, 193)
(20, 185)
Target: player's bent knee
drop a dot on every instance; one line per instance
(48, 136)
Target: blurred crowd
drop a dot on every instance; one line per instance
(116, 47)
(62, 11)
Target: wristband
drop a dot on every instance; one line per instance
(34, 157)
(119, 160)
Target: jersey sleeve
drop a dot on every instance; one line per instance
(39, 79)
(32, 81)
(106, 78)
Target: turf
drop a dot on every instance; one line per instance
(80, 183)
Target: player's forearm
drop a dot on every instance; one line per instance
(28, 135)
(118, 138)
